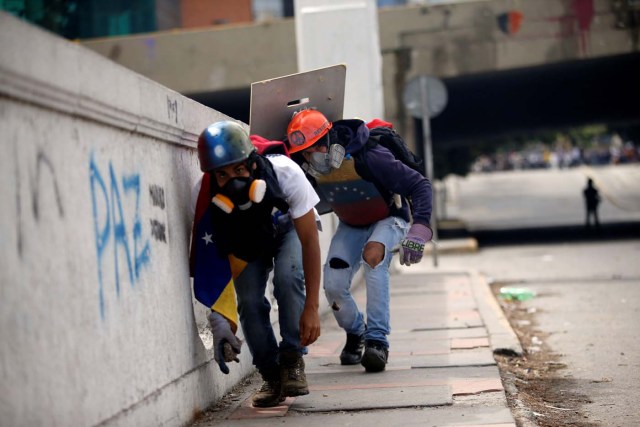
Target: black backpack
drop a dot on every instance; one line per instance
(391, 140)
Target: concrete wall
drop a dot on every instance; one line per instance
(97, 320)
(207, 60)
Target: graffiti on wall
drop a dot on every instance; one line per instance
(44, 173)
(121, 247)
(172, 109)
(158, 228)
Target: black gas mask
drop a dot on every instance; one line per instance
(241, 192)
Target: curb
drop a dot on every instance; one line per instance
(502, 338)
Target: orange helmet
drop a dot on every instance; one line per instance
(305, 128)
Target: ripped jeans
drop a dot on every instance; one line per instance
(344, 260)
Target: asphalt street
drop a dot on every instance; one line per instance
(587, 282)
(588, 302)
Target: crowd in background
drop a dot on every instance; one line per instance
(605, 150)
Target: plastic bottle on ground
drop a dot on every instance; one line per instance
(516, 294)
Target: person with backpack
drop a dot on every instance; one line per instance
(259, 212)
(383, 203)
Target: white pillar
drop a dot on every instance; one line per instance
(331, 32)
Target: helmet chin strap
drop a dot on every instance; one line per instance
(258, 187)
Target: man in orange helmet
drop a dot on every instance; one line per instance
(368, 189)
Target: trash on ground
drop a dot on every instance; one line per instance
(516, 294)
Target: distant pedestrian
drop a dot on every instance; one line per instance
(592, 200)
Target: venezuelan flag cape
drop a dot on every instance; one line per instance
(213, 273)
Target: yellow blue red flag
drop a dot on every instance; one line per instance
(212, 272)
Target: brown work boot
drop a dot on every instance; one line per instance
(270, 393)
(292, 376)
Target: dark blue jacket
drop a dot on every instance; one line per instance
(390, 176)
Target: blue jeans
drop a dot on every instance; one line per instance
(344, 260)
(254, 306)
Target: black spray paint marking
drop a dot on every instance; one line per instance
(156, 193)
(36, 186)
(172, 110)
(43, 160)
(158, 230)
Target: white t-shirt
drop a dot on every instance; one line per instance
(296, 189)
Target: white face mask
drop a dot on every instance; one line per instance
(319, 162)
(323, 163)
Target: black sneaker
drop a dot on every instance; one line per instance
(375, 356)
(352, 351)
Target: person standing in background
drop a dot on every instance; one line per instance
(592, 200)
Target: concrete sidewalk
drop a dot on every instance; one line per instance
(441, 369)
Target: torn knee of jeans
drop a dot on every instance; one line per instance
(373, 262)
(335, 306)
(338, 263)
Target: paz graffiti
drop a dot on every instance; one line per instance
(117, 234)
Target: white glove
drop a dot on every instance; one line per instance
(226, 346)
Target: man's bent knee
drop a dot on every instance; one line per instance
(373, 253)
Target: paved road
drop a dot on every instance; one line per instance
(588, 300)
(587, 285)
(588, 289)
